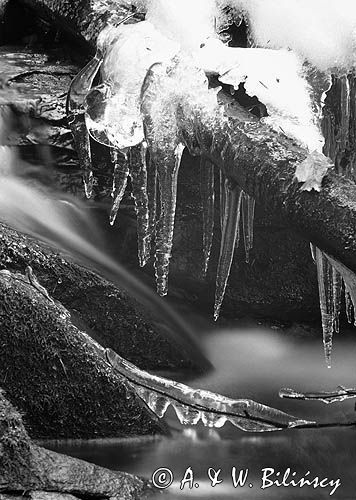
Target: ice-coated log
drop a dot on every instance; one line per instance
(229, 238)
(267, 160)
(168, 177)
(121, 172)
(207, 192)
(195, 405)
(138, 170)
(248, 216)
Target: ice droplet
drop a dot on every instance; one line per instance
(213, 420)
(158, 404)
(186, 415)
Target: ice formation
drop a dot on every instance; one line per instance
(229, 240)
(341, 394)
(195, 405)
(207, 191)
(147, 112)
(248, 216)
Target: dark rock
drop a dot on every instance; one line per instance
(54, 373)
(29, 471)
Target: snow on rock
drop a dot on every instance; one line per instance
(276, 78)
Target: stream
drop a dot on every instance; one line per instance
(254, 361)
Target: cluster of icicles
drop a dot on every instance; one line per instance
(93, 111)
(333, 277)
(88, 110)
(195, 405)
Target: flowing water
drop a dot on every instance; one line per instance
(252, 361)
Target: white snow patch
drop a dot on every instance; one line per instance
(188, 22)
(321, 31)
(276, 78)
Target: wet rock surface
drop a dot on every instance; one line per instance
(30, 471)
(113, 318)
(53, 373)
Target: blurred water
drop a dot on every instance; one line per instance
(255, 362)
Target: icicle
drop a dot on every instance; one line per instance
(78, 90)
(186, 415)
(193, 405)
(222, 198)
(342, 394)
(326, 297)
(121, 172)
(348, 304)
(230, 235)
(168, 177)
(158, 404)
(152, 194)
(337, 291)
(207, 198)
(313, 251)
(248, 215)
(213, 420)
(349, 279)
(138, 169)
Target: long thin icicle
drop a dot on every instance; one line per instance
(222, 198)
(337, 293)
(138, 170)
(121, 172)
(194, 405)
(78, 90)
(348, 304)
(326, 296)
(248, 216)
(230, 235)
(207, 192)
(152, 194)
(168, 178)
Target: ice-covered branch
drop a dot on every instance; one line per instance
(195, 405)
(341, 394)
